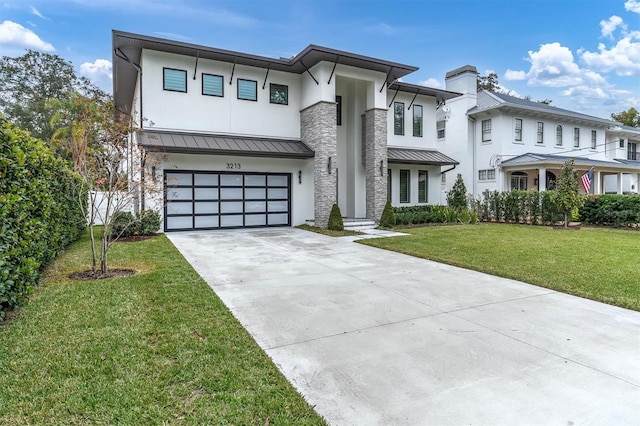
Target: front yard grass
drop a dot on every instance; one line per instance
(158, 347)
(595, 263)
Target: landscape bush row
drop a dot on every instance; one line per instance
(611, 210)
(125, 224)
(42, 210)
(411, 215)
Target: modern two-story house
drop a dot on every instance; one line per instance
(506, 143)
(239, 140)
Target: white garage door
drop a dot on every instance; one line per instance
(213, 200)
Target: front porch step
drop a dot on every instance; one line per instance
(352, 224)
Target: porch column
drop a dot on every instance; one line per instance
(376, 162)
(319, 132)
(619, 183)
(597, 182)
(542, 179)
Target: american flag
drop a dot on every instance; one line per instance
(586, 180)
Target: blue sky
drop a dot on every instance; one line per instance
(584, 55)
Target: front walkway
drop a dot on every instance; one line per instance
(375, 337)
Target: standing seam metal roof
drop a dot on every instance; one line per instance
(418, 156)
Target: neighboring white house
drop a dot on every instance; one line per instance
(514, 143)
(239, 140)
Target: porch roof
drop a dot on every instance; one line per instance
(419, 156)
(196, 143)
(534, 160)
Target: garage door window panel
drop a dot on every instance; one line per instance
(255, 193)
(206, 222)
(206, 180)
(206, 207)
(255, 207)
(180, 208)
(180, 222)
(255, 220)
(232, 221)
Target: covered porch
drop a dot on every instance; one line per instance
(540, 172)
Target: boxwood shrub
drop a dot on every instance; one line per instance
(42, 210)
(611, 210)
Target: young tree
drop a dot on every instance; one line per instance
(488, 82)
(457, 197)
(567, 196)
(630, 117)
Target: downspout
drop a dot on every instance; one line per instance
(473, 151)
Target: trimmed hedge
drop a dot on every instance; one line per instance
(42, 210)
(411, 215)
(611, 210)
(335, 219)
(125, 224)
(531, 207)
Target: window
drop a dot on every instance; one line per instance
(339, 110)
(518, 130)
(247, 90)
(212, 85)
(632, 151)
(576, 137)
(443, 180)
(487, 174)
(486, 130)
(593, 139)
(423, 183)
(559, 135)
(540, 135)
(417, 120)
(621, 143)
(405, 189)
(278, 94)
(441, 133)
(398, 118)
(388, 184)
(519, 181)
(441, 127)
(174, 80)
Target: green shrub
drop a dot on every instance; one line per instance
(457, 197)
(611, 210)
(42, 210)
(387, 219)
(335, 219)
(148, 222)
(123, 224)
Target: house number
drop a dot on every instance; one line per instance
(233, 166)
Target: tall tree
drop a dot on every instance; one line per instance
(630, 117)
(488, 82)
(567, 196)
(28, 81)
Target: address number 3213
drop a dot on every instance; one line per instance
(233, 166)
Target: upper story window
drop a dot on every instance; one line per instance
(621, 143)
(576, 137)
(540, 133)
(174, 80)
(405, 186)
(278, 94)
(441, 133)
(487, 174)
(518, 129)
(339, 110)
(632, 151)
(593, 139)
(398, 118)
(558, 135)
(417, 120)
(212, 85)
(486, 130)
(247, 90)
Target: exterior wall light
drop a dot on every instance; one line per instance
(329, 166)
(381, 167)
(299, 176)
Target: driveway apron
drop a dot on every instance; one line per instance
(375, 337)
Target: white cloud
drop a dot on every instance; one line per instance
(632, 6)
(98, 69)
(37, 12)
(553, 66)
(432, 82)
(511, 75)
(623, 58)
(15, 35)
(608, 27)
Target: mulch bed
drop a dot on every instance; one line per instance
(111, 273)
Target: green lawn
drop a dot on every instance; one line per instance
(155, 348)
(596, 263)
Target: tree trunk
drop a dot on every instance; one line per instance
(566, 221)
(94, 257)
(103, 260)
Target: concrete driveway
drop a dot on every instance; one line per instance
(375, 337)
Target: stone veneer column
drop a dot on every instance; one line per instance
(319, 132)
(375, 152)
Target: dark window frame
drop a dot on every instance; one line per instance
(423, 186)
(164, 80)
(212, 94)
(249, 81)
(277, 86)
(407, 198)
(421, 120)
(338, 110)
(398, 109)
(594, 138)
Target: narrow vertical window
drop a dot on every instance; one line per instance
(540, 135)
(518, 129)
(621, 143)
(593, 139)
(389, 185)
(174, 80)
(247, 90)
(398, 118)
(405, 189)
(632, 151)
(558, 135)
(486, 130)
(212, 85)
(423, 181)
(417, 120)
(576, 137)
(339, 110)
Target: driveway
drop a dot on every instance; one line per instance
(375, 337)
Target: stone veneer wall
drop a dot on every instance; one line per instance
(318, 130)
(376, 151)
